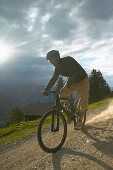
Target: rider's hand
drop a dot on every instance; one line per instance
(43, 93)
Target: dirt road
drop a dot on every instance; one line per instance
(90, 149)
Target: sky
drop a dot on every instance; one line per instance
(82, 29)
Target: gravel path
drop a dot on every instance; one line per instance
(90, 149)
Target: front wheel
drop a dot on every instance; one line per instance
(52, 131)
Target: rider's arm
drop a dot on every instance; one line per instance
(52, 80)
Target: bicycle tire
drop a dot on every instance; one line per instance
(39, 133)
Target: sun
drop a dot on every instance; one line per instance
(6, 51)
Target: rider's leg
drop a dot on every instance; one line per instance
(81, 115)
(82, 90)
(66, 93)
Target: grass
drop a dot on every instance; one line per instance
(16, 135)
(17, 131)
(24, 129)
(98, 104)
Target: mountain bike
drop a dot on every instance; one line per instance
(52, 128)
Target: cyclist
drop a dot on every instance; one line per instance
(77, 80)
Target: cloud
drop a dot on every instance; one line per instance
(97, 10)
(82, 29)
(58, 29)
(97, 16)
(30, 70)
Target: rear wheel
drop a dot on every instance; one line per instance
(52, 131)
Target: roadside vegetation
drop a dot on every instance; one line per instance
(25, 129)
(98, 104)
(17, 131)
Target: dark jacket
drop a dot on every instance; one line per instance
(70, 68)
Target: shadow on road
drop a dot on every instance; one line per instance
(56, 158)
(102, 146)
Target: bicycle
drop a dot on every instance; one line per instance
(52, 128)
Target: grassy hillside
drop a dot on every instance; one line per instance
(24, 129)
(98, 104)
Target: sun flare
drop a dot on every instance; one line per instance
(6, 52)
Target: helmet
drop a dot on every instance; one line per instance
(53, 54)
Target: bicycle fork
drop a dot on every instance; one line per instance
(55, 123)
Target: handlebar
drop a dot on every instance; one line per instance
(52, 92)
(57, 93)
(69, 99)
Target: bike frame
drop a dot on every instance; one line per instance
(57, 122)
(56, 109)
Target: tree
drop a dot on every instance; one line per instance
(17, 115)
(99, 89)
(112, 94)
(60, 83)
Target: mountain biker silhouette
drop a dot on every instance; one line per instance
(77, 80)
